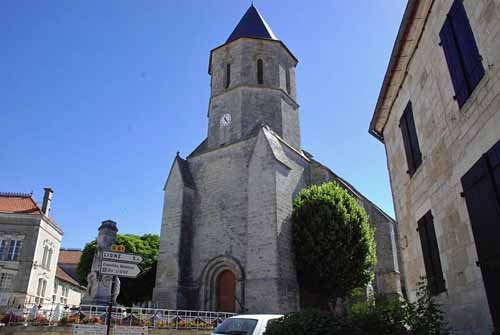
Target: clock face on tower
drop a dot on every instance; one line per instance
(225, 120)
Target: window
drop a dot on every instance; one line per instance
(228, 75)
(64, 295)
(461, 52)
(54, 293)
(287, 77)
(430, 251)
(44, 257)
(40, 291)
(14, 250)
(6, 281)
(3, 244)
(47, 257)
(410, 140)
(260, 71)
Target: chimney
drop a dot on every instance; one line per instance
(47, 199)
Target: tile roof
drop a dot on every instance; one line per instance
(20, 203)
(253, 25)
(23, 203)
(62, 275)
(69, 256)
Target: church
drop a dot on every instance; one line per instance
(225, 240)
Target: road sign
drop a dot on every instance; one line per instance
(130, 330)
(122, 257)
(119, 269)
(118, 248)
(89, 329)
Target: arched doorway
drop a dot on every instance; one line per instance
(226, 289)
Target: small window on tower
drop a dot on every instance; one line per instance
(228, 75)
(260, 72)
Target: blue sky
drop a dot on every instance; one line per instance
(97, 96)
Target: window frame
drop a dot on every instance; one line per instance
(431, 254)
(3, 280)
(461, 52)
(410, 140)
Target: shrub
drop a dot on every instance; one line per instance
(387, 316)
(310, 322)
(395, 316)
(380, 316)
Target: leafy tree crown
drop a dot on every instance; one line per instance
(333, 241)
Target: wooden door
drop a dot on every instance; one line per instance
(226, 289)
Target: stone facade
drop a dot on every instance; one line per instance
(451, 140)
(227, 205)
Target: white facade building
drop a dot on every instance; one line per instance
(29, 248)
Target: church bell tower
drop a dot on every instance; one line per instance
(252, 82)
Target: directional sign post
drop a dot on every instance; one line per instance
(120, 269)
(122, 257)
(118, 264)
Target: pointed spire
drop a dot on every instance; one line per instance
(252, 24)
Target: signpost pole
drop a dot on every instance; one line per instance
(110, 307)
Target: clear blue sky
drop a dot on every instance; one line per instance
(97, 96)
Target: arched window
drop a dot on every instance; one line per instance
(260, 71)
(287, 75)
(228, 75)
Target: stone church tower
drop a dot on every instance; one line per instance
(225, 234)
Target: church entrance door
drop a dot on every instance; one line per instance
(226, 288)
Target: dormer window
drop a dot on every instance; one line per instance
(228, 75)
(260, 72)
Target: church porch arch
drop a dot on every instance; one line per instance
(210, 278)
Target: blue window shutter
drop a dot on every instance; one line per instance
(407, 146)
(430, 251)
(415, 146)
(473, 66)
(454, 62)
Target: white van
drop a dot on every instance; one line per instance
(245, 324)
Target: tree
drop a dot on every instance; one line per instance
(132, 290)
(333, 242)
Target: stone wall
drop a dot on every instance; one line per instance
(248, 102)
(451, 141)
(388, 275)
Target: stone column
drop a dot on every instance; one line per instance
(99, 286)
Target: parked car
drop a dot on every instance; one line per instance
(245, 324)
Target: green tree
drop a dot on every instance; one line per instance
(132, 290)
(333, 242)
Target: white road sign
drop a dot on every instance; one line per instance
(89, 329)
(130, 330)
(119, 256)
(119, 269)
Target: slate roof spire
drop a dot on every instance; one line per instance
(252, 24)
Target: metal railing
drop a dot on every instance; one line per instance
(125, 316)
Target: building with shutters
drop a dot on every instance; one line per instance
(438, 115)
(29, 247)
(225, 239)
